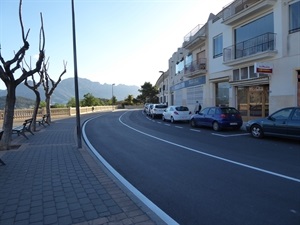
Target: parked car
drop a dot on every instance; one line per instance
(176, 113)
(157, 110)
(218, 118)
(284, 122)
(148, 109)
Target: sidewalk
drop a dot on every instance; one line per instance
(48, 180)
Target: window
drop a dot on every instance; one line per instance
(188, 60)
(296, 115)
(179, 66)
(256, 28)
(282, 114)
(244, 73)
(294, 14)
(236, 74)
(222, 94)
(212, 111)
(218, 46)
(251, 72)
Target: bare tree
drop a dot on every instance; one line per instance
(49, 89)
(34, 88)
(7, 75)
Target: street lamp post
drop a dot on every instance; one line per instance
(163, 76)
(79, 144)
(112, 95)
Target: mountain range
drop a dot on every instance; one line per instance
(65, 91)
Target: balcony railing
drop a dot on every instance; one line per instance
(236, 7)
(259, 44)
(195, 67)
(192, 33)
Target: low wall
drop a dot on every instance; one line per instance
(21, 114)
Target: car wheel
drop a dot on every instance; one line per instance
(172, 119)
(193, 124)
(256, 131)
(216, 126)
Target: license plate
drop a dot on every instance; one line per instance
(233, 123)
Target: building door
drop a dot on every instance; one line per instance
(253, 101)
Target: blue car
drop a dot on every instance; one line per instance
(284, 122)
(218, 118)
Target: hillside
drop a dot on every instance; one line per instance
(21, 103)
(65, 91)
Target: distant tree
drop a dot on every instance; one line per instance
(42, 104)
(149, 93)
(90, 100)
(58, 105)
(129, 100)
(136, 101)
(71, 102)
(114, 100)
(7, 75)
(49, 89)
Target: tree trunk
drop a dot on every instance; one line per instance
(8, 119)
(48, 110)
(36, 108)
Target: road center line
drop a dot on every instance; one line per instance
(210, 155)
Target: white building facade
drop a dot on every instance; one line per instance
(247, 56)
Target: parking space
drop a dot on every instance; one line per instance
(187, 126)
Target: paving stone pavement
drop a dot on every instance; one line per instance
(48, 181)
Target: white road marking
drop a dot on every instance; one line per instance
(195, 130)
(161, 214)
(212, 156)
(178, 127)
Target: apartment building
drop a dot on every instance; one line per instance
(246, 56)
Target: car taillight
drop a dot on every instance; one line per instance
(190, 112)
(223, 116)
(176, 112)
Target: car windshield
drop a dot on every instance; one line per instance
(160, 106)
(229, 110)
(182, 108)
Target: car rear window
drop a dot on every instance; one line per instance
(161, 106)
(182, 108)
(229, 110)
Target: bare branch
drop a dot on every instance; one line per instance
(42, 34)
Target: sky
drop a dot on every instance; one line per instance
(117, 41)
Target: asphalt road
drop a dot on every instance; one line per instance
(198, 176)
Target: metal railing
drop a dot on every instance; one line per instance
(259, 44)
(197, 65)
(237, 6)
(192, 32)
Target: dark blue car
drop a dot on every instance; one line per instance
(284, 122)
(218, 118)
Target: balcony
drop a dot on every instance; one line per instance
(195, 68)
(240, 9)
(198, 33)
(263, 46)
